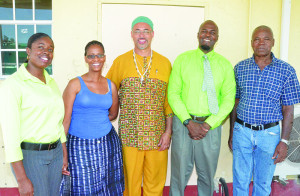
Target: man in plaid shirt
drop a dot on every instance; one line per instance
(267, 89)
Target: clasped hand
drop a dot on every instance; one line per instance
(197, 131)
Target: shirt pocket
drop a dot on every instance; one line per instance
(273, 89)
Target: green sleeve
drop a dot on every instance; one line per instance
(175, 91)
(10, 121)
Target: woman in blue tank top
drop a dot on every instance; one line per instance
(94, 149)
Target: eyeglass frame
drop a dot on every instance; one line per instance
(93, 56)
(145, 31)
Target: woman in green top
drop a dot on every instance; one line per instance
(31, 116)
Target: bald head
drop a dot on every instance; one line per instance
(208, 35)
(262, 28)
(211, 23)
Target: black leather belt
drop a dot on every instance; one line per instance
(256, 127)
(199, 118)
(39, 147)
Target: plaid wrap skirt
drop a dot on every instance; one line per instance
(96, 166)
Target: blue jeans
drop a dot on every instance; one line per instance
(43, 168)
(252, 157)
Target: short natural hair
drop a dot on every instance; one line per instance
(263, 27)
(35, 37)
(94, 42)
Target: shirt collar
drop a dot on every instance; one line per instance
(25, 75)
(273, 58)
(209, 54)
(272, 62)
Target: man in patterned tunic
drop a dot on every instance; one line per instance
(141, 76)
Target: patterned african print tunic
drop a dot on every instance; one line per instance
(143, 104)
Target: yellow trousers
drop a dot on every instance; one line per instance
(147, 166)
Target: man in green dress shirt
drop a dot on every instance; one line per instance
(201, 93)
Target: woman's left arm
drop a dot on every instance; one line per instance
(69, 96)
(114, 109)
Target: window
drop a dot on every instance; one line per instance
(19, 19)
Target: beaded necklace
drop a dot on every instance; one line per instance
(141, 76)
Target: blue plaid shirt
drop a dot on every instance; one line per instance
(262, 93)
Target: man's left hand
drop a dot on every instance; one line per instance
(164, 142)
(202, 128)
(280, 152)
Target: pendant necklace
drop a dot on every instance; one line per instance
(141, 76)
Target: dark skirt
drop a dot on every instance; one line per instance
(96, 166)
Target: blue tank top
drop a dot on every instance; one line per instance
(90, 113)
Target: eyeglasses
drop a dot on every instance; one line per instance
(145, 32)
(92, 56)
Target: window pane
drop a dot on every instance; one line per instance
(23, 10)
(43, 10)
(49, 69)
(6, 10)
(24, 32)
(22, 57)
(44, 29)
(7, 33)
(8, 63)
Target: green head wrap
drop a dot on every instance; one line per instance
(142, 19)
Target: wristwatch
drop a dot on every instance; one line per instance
(285, 141)
(186, 122)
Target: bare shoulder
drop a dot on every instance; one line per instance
(113, 85)
(73, 85)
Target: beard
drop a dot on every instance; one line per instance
(142, 47)
(205, 47)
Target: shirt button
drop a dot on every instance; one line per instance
(98, 142)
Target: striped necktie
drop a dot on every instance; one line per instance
(209, 87)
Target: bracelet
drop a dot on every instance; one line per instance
(170, 135)
(285, 141)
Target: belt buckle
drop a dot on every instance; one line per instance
(253, 126)
(260, 127)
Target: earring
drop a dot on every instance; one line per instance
(28, 57)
